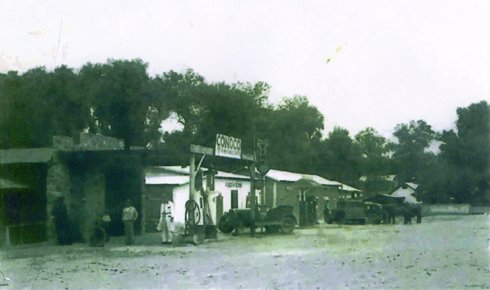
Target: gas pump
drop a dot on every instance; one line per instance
(209, 227)
(198, 221)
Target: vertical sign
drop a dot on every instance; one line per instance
(227, 146)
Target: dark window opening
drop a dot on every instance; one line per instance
(234, 199)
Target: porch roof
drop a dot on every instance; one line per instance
(180, 175)
(31, 155)
(279, 175)
(171, 179)
(346, 187)
(9, 184)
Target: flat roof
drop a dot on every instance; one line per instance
(173, 180)
(30, 155)
(179, 170)
(9, 184)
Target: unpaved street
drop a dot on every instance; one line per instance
(445, 252)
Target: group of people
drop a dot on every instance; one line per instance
(165, 224)
(129, 216)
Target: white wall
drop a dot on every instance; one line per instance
(222, 187)
(434, 209)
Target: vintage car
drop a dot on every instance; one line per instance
(278, 219)
(355, 212)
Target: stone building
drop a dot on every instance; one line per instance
(95, 175)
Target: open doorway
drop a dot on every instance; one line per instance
(122, 184)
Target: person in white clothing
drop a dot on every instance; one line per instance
(166, 224)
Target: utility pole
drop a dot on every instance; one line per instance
(252, 197)
(190, 230)
(192, 180)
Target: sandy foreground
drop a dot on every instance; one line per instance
(444, 252)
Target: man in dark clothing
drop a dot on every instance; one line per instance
(61, 223)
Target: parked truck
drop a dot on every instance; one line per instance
(278, 219)
(355, 212)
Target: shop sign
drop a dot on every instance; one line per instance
(236, 184)
(227, 146)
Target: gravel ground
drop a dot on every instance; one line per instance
(444, 252)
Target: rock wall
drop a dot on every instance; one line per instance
(99, 142)
(84, 191)
(94, 197)
(57, 185)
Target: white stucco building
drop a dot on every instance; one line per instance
(231, 191)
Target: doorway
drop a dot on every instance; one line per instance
(23, 217)
(122, 184)
(234, 199)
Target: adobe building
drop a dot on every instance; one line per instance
(95, 175)
(308, 194)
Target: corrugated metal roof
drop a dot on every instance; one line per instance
(186, 170)
(178, 174)
(174, 169)
(279, 175)
(384, 177)
(164, 175)
(222, 174)
(33, 155)
(406, 193)
(9, 184)
(175, 180)
(412, 185)
(346, 187)
(321, 180)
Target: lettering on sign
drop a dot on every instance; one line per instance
(227, 146)
(236, 184)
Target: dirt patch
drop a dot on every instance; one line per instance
(440, 253)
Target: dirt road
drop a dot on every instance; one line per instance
(451, 252)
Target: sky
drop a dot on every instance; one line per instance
(361, 63)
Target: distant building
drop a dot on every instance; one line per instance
(305, 192)
(407, 191)
(378, 184)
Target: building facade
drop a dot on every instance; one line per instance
(308, 194)
(230, 191)
(95, 175)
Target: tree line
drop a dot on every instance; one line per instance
(120, 99)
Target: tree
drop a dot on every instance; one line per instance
(40, 104)
(294, 129)
(467, 155)
(410, 152)
(374, 161)
(374, 152)
(230, 110)
(340, 157)
(207, 109)
(119, 93)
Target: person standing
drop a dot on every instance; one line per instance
(166, 223)
(129, 216)
(61, 222)
(106, 221)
